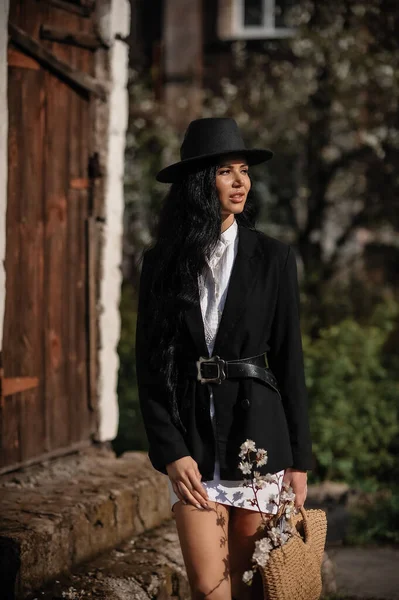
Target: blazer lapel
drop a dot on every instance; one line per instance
(242, 279)
(195, 325)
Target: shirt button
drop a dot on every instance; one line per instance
(245, 403)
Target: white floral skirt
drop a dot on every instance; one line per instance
(232, 493)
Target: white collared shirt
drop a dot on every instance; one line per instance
(213, 282)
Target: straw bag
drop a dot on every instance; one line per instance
(293, 571)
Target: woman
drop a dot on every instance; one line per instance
(219, 356)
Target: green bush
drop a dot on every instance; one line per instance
(353, 400)
(377, 522)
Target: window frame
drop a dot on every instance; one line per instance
(267, 30)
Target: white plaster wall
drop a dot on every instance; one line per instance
(3, 154)
(112, 23)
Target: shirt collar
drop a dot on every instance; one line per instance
(226, 238)
(229, 235)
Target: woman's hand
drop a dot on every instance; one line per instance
(298, 481)
(186, 482)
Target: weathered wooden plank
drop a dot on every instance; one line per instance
(14, 11)
(87, 3)
(81, 10)
(21, 60)
(62, 69)
(25, 13)
(88, 343)
(79, 183)
(9, 435)
(87, 127)
(30, 278)
(92, 316)
(77, 404)
(84, 61)
(56, 151)
(9, 430)
(9, 438)
(81, 330)
(90, 41)
(13, 327)
(33, 437)
(14, 385)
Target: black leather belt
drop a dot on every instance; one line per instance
(216, 370)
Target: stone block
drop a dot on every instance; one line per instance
(72, 509)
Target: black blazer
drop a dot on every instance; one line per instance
(261, 314)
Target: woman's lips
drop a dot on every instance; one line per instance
(236, 198)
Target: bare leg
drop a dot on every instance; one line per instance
(243, 533)
(203, 538)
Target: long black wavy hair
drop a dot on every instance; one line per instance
(188, 229)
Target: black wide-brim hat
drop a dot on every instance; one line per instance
(205, 140)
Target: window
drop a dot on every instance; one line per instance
(253, 13)
(254, 19)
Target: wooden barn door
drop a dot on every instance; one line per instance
(46, 402)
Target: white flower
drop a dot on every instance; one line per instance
(263, 545)
(275, 535)
(261, 558)
(247, 446)
(259, 480)
(287, 496)
(247, 577)
(261, 457)
(245, 467)
(288, 511)
(269, 478)
(262, 551)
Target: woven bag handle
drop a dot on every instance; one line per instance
(306, 528)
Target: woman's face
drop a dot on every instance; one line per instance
(233, 185)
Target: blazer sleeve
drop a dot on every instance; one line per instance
(286, 361)
(166, 443)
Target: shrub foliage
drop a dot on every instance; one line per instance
(353, 400)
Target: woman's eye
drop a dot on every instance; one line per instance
(227, 171)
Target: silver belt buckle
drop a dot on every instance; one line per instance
(218, 362)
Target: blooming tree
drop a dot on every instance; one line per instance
(326, 101)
